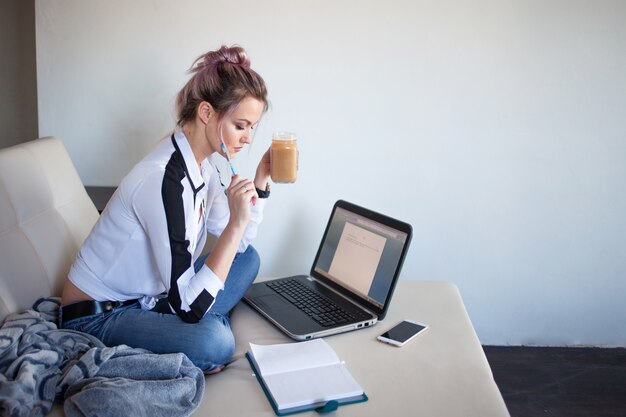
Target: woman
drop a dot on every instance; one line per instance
(139, 279)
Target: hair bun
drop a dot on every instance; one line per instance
(234, 55)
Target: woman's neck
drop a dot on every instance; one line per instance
(198, 142)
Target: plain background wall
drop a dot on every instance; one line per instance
(18, 73)
(496, 128)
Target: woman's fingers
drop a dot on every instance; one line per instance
(240, 185)
(242, 189)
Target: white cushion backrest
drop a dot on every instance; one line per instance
(45, 215)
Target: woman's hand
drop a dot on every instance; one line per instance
(240, 193)
(263, 172)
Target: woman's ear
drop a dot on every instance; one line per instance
(205, 111)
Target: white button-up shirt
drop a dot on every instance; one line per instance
(154, 228)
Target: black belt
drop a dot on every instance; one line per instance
(90, 307)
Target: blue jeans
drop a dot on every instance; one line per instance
(209, 343)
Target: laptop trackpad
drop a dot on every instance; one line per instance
(271, 302)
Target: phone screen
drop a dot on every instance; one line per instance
(403, 331)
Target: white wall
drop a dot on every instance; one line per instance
(496, 128)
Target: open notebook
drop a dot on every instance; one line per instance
(303, 376)
(351, 282)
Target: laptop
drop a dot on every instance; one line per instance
(351, 282)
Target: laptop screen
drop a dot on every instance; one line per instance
(361, 254)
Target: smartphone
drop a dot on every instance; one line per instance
(402, 333)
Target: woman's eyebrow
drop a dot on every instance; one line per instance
(245, 120)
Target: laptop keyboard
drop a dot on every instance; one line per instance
(315, 305)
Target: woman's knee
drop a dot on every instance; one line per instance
(253, 259)
(217, 344)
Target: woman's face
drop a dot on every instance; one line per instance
(237, 127)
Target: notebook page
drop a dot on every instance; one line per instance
(278, 358)
(312, 386)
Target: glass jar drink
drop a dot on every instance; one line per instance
(284, 157)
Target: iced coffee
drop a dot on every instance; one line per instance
(284, 157)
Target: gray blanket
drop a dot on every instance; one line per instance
(40, 364)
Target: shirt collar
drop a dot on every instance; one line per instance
(194, 172)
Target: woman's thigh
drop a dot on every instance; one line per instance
(208, 343)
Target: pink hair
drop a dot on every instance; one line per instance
(223, 78)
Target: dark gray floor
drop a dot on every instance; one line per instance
(572, 382)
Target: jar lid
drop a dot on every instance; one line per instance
(284, 136)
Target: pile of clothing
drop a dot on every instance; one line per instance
(41, 364)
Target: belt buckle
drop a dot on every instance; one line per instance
(110, 305)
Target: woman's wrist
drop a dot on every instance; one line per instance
(236, 227)
(262, 182)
